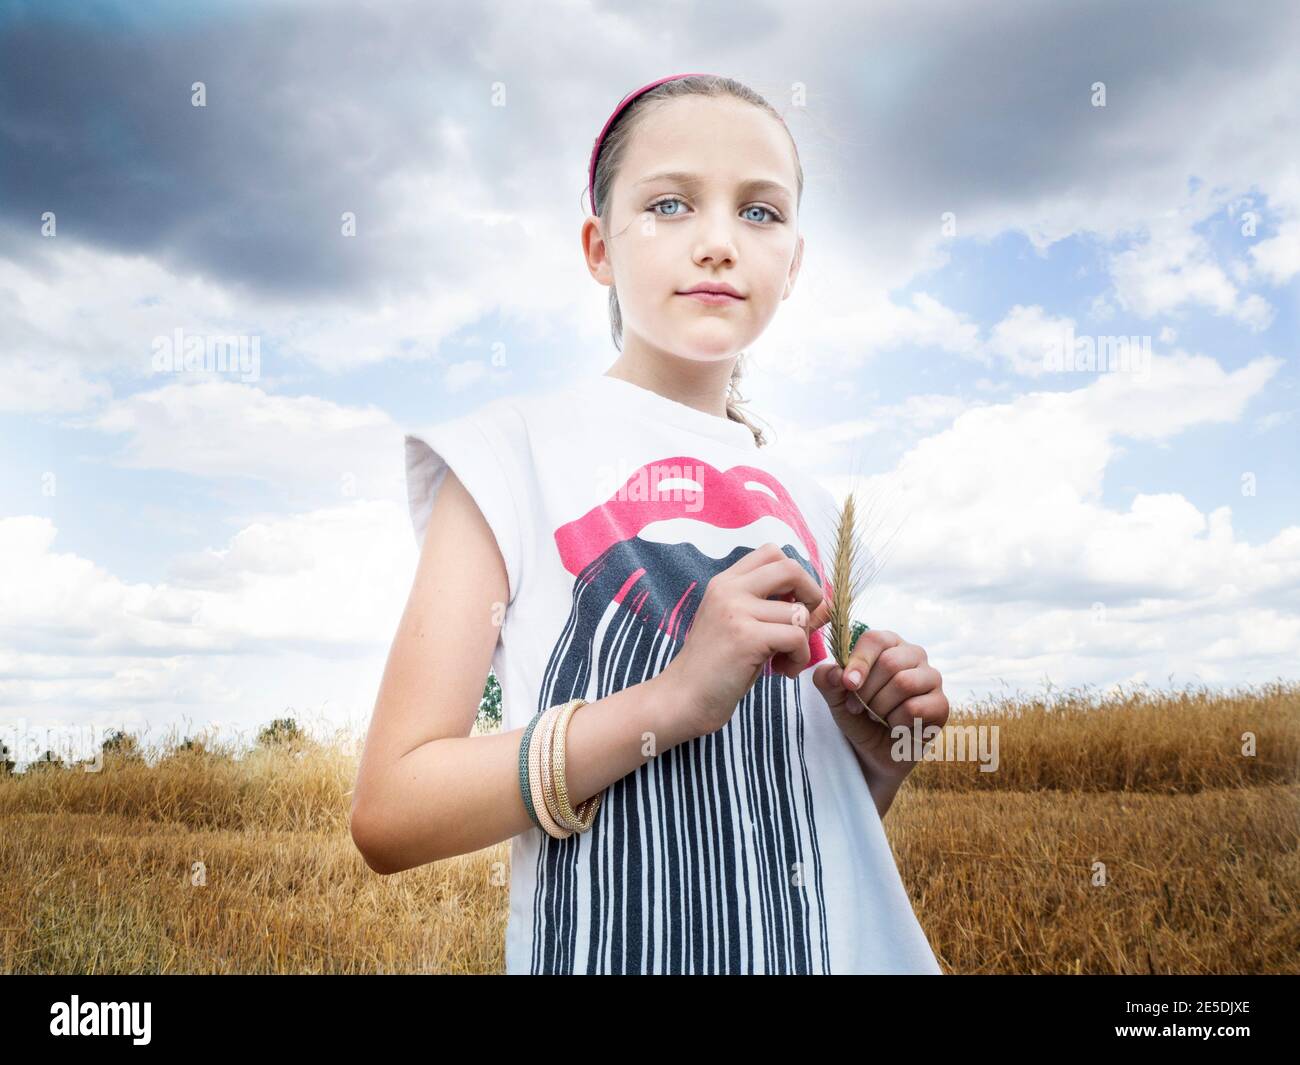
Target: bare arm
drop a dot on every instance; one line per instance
(426, 789)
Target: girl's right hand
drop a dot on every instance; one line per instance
(744, 619)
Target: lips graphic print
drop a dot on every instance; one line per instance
(705, 858)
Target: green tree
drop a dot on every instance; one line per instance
(283, 731)
(194, 748)
(489, 707)
(122, 746)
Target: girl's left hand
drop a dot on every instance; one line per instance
(897, 681)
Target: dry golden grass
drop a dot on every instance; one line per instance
(1199, 845)
(1171, 742)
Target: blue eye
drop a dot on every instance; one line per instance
(674, 200)
(759, 207)
(665, 202)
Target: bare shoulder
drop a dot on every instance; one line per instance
(459, 549)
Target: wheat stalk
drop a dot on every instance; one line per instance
(850, 574)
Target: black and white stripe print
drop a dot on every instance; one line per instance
(706, 858)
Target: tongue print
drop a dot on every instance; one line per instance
(679, 502)
(706, 858)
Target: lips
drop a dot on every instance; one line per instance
(711, 290)
(655, 501)
(712, 299)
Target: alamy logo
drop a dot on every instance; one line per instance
(101, 1018)
(1068, 353)
(652, 483)
(198, 352)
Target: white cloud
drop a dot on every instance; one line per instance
(1003, 511)
(1277, 258)
(904, 421)
(1174, 266)
(102, 310)
(32, 387)
(461, 375)
(218, 428)
(291, 612)
(843, 327)
(1023, 338)
(327, 577)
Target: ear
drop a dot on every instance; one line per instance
(596, 251)
(795, 263)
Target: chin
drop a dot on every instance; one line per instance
(713, 348)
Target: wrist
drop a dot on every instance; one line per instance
(888, 769)
(883, 781)
(661, 715)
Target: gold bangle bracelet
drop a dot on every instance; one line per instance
(551, 738)
(579, 820)
(544, 761)
(537, 775)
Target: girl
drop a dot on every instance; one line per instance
(683, 794)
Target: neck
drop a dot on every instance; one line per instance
(702, 385)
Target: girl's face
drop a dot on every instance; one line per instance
(705, 193)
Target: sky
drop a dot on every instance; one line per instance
(382, 207)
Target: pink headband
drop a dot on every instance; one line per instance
(623, 105)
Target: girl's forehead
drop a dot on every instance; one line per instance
(702, 134)
(705, 116)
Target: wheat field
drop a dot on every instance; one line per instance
(1140, 833)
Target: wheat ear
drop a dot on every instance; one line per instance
(849, 576)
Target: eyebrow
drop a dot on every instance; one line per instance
(682, 177)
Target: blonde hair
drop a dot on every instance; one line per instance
(614, 147)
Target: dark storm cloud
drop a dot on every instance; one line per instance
(992, 101)
(307, 112)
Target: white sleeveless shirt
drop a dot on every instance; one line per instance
(756, 849)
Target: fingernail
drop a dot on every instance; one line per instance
(854, 677)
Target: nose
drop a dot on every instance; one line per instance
(715, 243)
